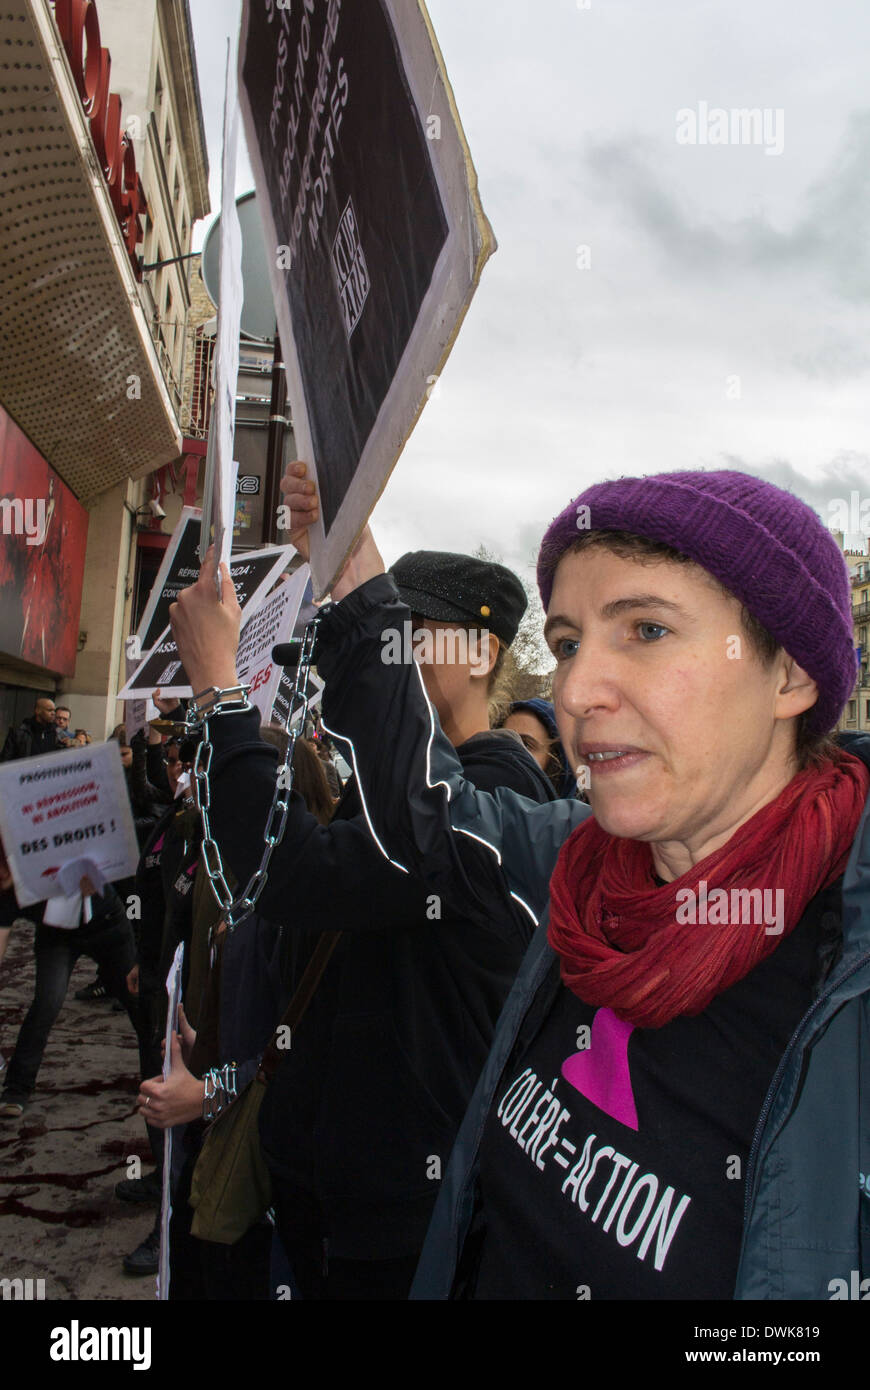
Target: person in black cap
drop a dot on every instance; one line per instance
(465, 613)
(358, 1123)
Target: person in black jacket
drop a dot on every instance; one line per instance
(164, 887)
(34, 735)
(359, 1121)
(148, 801)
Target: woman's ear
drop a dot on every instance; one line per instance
(485, 654)
(797, 692)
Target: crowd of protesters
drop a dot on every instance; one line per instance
(513, 1016)
(46, 731)
(135, 924)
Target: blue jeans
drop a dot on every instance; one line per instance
(109, 941)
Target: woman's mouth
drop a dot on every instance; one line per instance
(606, 761)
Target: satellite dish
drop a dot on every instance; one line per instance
(258, 309)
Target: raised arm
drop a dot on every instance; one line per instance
(469, 846)
(422, 811)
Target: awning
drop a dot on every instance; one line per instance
(78, 370)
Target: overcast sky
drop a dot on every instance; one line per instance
(723, 317)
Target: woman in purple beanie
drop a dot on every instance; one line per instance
(676, 1102)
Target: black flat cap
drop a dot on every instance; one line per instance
(448, 588)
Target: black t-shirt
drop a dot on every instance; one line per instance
(613, 1160)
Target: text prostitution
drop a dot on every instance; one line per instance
(307, 74)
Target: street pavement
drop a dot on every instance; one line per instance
(59, 1218)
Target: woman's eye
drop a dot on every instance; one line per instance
(651, 632)
(565, 648)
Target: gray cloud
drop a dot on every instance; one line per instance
(706, 264)
(830, 236)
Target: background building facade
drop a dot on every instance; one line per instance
(105, 172)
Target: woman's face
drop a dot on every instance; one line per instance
(533, 734)
(653, 664)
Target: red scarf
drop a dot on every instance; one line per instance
(621, 941)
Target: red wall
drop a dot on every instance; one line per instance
(40, 584)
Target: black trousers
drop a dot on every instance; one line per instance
(109, 941)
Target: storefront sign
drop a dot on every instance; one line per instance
(91, 66)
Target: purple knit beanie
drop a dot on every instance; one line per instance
(763, 544)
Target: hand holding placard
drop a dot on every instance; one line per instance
(206, 628)
(300, 499)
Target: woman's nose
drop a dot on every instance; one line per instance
(588, 683)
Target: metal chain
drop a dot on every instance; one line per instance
(221, 1089)
(234, 910)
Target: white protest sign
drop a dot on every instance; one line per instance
(253, 575)
(65, 806)
(272, 623)
(138, 712)
(136, 715)
(374, 230)
(284, 696)
(173, 990)
(221, 470)
(179, 568)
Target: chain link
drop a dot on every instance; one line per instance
(236, 909)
